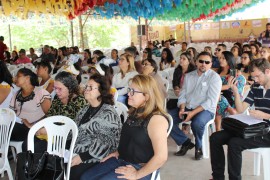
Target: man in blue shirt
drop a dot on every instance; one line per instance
(218, 51)
(198, 101)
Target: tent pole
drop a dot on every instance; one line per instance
(9, 32)
(72, 33)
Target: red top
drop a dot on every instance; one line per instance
(3, 48)
(23, 60)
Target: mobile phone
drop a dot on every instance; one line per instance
(184, 116)
(232, 72)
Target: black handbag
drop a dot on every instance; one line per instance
(39, 166)
(244, 130)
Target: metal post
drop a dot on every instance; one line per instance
(81, 32)
(72, 33)
(140, 35)
(10, 44)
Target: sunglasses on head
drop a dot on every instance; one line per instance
(203, 61)
(217, 49)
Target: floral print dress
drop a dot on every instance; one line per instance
(223, 103)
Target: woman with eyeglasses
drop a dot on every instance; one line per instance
(120, 80)
(167, 60)
(226, 103)
(67, 102)
(143, 142)
(150, 68)
(30, 103)
(265, 53)
(99, 127)
(147, 54)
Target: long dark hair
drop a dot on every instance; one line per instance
(169, 55)
(5, 74)
(104, 89)
(89, 60)
(68, 80)
(31, 74)
(230, 61)
(177, 75)
(149, 53)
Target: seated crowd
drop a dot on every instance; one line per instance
(206, 86)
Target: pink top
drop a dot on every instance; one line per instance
(23, 60)
(31, 110)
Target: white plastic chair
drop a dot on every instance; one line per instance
(116, 69)
(16, 148)
(121, 109)
(85, 78)
(58, 128)
(7, 121)
(85, 68)
(265, 154)
(156, 176)
(205, 138)
(164, 74)
(115, 96)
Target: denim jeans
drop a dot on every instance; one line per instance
(198, 123)
(106, 170)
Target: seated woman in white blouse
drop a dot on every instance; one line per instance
(120, 80)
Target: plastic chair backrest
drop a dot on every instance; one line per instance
(116, 70)
(85, 78)
(164, 74)
(121, 109)
(7, 121)
(58, 129)
(166, 84)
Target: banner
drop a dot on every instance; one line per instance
(206, 26)
(197, 26)
(215, 25)
(257, 23)
(225, 25)
(236, 24)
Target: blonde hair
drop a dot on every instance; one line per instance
(155, 103)
(130, 59)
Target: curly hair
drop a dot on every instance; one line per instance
(104, 89)
(68, 80)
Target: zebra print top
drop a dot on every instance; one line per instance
(99, 136)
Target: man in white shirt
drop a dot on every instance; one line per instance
(198, 100)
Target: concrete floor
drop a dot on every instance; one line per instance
(186, 168)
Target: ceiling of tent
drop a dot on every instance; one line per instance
(182, 10)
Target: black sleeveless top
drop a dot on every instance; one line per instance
(135, 145)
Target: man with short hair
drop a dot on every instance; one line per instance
(260, 98)
(198, 101)
(183, 49)
(265, 36)
(47, 55)
(23, 59)
(155, 51)
(3, 48)
(218, 51)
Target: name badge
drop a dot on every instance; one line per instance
(204, 84)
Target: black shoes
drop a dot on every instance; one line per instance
(198, 154)
(184, 149)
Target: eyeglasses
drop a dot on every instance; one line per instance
(145, 52)
(256, 77)
(89, 88)
(217, 49)
(57, 89)
(146, 64)
(244, 57)
(132, 91)
(203, 61)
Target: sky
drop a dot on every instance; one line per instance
(260, 10)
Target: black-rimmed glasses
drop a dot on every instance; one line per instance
(89, 88)
(133, 91)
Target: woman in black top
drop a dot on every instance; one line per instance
(143, 142)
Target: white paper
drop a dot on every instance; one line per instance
(19, 120)
(250, 120)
